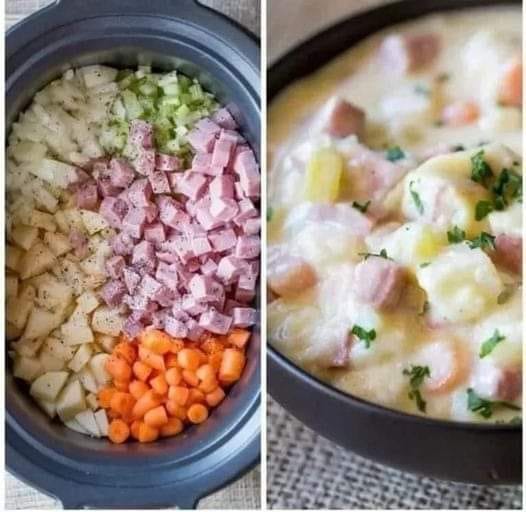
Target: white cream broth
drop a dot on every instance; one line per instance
(394, 258)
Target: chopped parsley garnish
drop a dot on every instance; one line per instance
(458, 147)
(456, 235)
(394, 153)
(425, 264)
(270, 213)
(480, 170)
(381, 254)
(488, 346)
(483, 241)
(422, 89)
(486, 407)
(443, 77)
(366, 336)
(361, 207)
(416, 199)
(416, 375)
(507, 187)
(482, 209)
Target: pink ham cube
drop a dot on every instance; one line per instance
(165, 162)
(223, 209)
(149, 286)
(203, 216)
(141, 133)
(122, 244)
(115, 266)
(175, 327)
(208, 268)
(223, 240)
(200, 245)
(252, 226)
(195, 331)
(193, 306)
(167, 274)
(201, 163)
(215, 322)
(113, 210)
(140, 193)
(132, 327)
(206, 125)
(201, 288)
(145, 162)
(179, 245)
(134, 221)
(201, 141)
(105, 188)
(246, 168)
(230, 268)
(155, 233)
(159, 182)
(86, 196)
(144, 256)
(131, 279)
(222, 152)
(222, 186)
(151, 211)
(248, 247)
(192, 185)
(244, 317)
(224, 119)
(172, 215)
(247, 210)
(113, 292)
(122, 173)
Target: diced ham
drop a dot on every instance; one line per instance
(200, 245)
(508, 252)
(209, 268)
(113, 210)
(131, 279)
(201, 288)
(167, 257)
(201, 141)
(122, 173)
(122, 244)
(159, 182)
(134, 221)
(113, 292)
(115, 266)
(230, 268)
(165, 162)
(248, 247)
(215, 322)
(172, 215)
(224, 119)
(222, 152)
(201, 163)
(193, 306)
(145, 162)
(105, 187)
(144, 256)
(252, 226)
(195, 331)
(289, 275)
(138, 303)
(204, 217)
(405, 53)
(223, 209)
(192, 185)
(79, 242)
(345, 119)
(140, 193)
(244, 317)
(244, 296)
(509, 387)
(246, 168)
(181, 245)
(155, 233)
(206, 125)
(379, 282)
(222, 186)
(223, 240)
(141, 133)
(86, 196)
(167, 275)
(175, 327)
(132, 327)
(510, 87)
(247, 210)
(149, 286)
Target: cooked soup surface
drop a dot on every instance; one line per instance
(395, 206)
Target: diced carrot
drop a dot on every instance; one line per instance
(189, 359)
(179, 394)
(121, 385)
(157, 341)
(118, 368)
(112, 415)
(212, 345)
(195, 396)
(122, 403)
(232, 365)
(205, 371)
(126, 351)
(150, 358)
(172, 428)
(159, 385)
(215, 397)
(138, 388)
(209, 384)
(190, 378)
(460, 113)
(147, 434)
(148, 401)
(156, 417)
(173, 376)
(197, 413)
(134, 429)
(202, 356)
(170, 361)
(118, 431)
(510, 87)
(104, 396)
(215, 360)
(177, 345)
(238, 337)
(141, 370)
(175, 410)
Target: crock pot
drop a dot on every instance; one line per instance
(467, 452)
(166, 34)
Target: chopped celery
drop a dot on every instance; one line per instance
(323, 177)
(133, 108)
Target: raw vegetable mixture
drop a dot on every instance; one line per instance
(132, 256)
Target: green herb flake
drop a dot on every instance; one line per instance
(366, 336)
(381, 254)
(488, 346)
(480, 170)
(484, 241)
(456, 235)
(486, 407)
(416, 199)
(443, 77)
(425, 264)
(361, 207)
(270, 213)
(416, 375)
(458, 147)
(482, 209)
(394, 153)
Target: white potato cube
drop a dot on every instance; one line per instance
(88, 422)
(13, 257)
(106, 342)
(93, 221)
(40, 323)
(97, 365)
(36, 260)
(24, 236)
(58, 348)
(49, 408)
(27, 368)
(107, 321)
(102, 421)
(508, 221)
(43, 220)
(57, 242)
(74, 425)
(76, 332)
(92, 401)
(88, 380)
(27, 347)
(18, 308)
(50, 363)
(88, 302)
(71, 401)
(11, 286)
(48, 386)
(96, 75)
(81, 358)
(57, 173)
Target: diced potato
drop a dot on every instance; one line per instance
(57, 173)
(50, 363)
(461, 284)
(70, 272)
(49, 408)
(97, 75)
(76, 332)
(48, 386)
(88, 302)
(27, 368)
(43, 220)
(97, 365)
(107, 321)
(81, 358)
(71, 401)
(18, 309)
(88, 422)
(43, 197)
(74, 425)
(92, 401)
(323, 177)
(102, 421)
(24, 236)
(58, 348)
(36, 260)
(12, 332)
(26, 151)
(93, 221)
(508, 221)
(53, 295)
(13, 257)
(57, 242)
(62, 221)
(88, 380)
(27, 347)
(74, 219)
(106, 342)
(11, 286)
(40, 323)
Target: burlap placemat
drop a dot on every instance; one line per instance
(305, 471)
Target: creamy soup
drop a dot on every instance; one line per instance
(394, 224)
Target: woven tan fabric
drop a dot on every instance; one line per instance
(246, 492)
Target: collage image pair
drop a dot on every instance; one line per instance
(263, 254)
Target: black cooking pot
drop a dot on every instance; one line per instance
(475, 453)
(167, 34)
